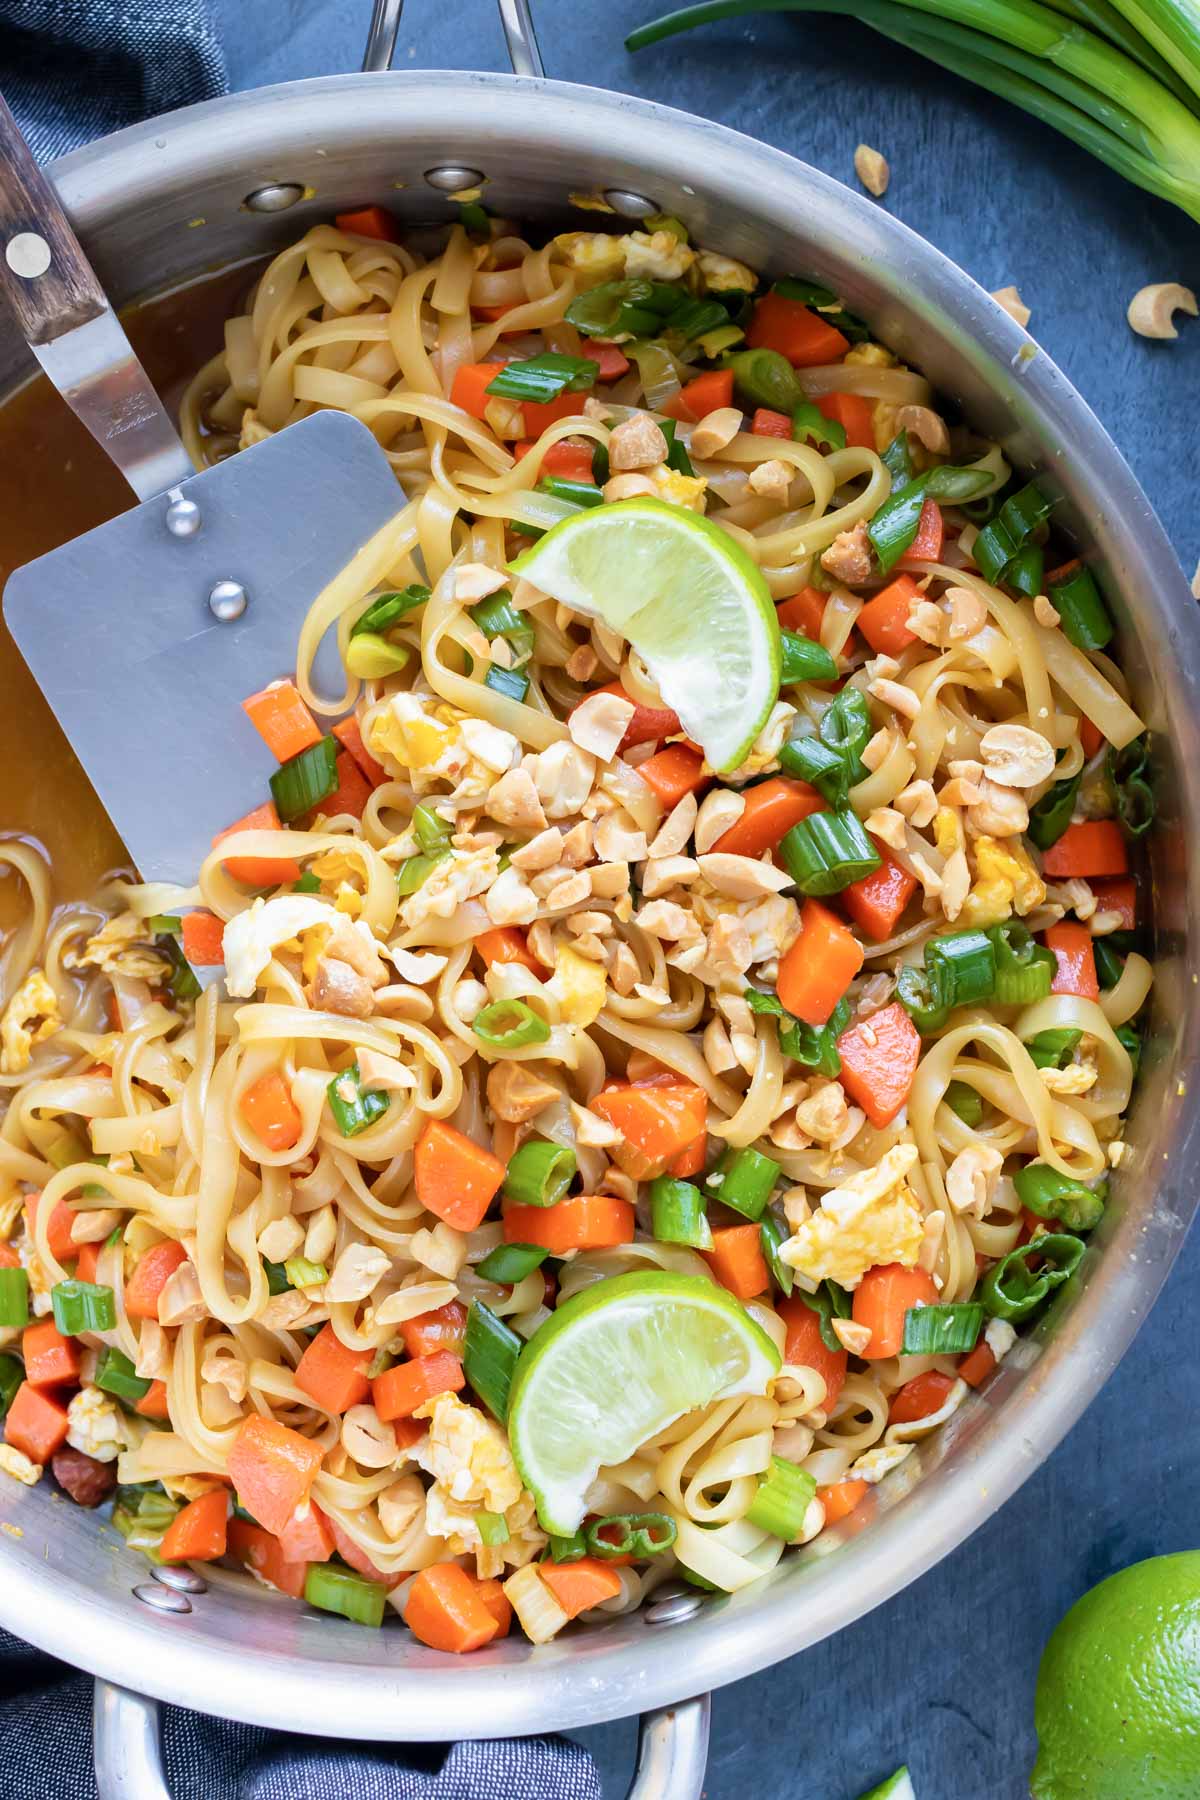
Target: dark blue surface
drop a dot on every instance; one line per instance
(943, 1676)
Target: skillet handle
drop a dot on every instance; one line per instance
(127, 1748)
(515, 20)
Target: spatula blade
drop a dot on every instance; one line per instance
(117, 628)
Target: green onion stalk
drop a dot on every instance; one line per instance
(1121, 79)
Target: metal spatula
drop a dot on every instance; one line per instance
(146, 633)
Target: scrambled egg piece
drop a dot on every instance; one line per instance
(873, 356)
(948, 832)
(681, 490)
(334, 867)
(39, 1281)
(598, 256)
(722, 275)
(30, 1017)
(870, 1219)
(473, 1471)
(1005, 882)
(578, 984)
(119, 949)
(436, 742)
(252, 937)
(95, 1425)
(18, 1465)
(657, 256)
(460, 876)
(412, 731)
(595, 256)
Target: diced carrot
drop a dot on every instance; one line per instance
(469, 387)
(261, 1551)
(854, 413)
(204, 939)
(445, 1610)
(356, 1556)
(819, 966)
(333, 1374)
(498, 1604)
(1118, 897)
(1092, 847)
(505, 944)
(883, 621)
(50, 1358)
(58, 1232)
(659, 1121)
(1063, 572)
(455, 1178)
(36, 1423)
(882, 1298)
(571, 462)
(153, 1403)
(282, 720)
(151, 1276)
(369, 221)
(771, 809)
(351, 794)
(197, 1533)
(674, 772)
(877, 902)
(736, 1259)
(978, 1364)
(690, 1160)
(583, 1222)
(803, 613)
(704, 395)
(804, 1347)
(1091, 737)
(399, 1391)
(798, 333)
(923, 1395)
(87, 1262)
(879, 1060)
(538, 414)
(8, 1257)
(493, 313)
(611, 361)
(259, 871)
(841, 1498)
(269, 1110)
(1076, 972)
(767, 423)
(349, 735)
(577, 1586)
(926, 547)
(308, 1536)
(272, 1468)
(443, 1329)
(648, 722)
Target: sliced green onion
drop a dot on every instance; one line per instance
(804, 661)
(810, 293)
(677, 456)
(1024, 969)
(809, 425)
(490, 1355)
(543, 377)
(1052, 1195)
(1054, 1049)
(916, 993)
(65, 1148)
(83, 1306)
(141, 1515)
(1131, 1039)
(963, 1100)
(498, 617)
(302, 1273)
(493, 1528)
(694, 319)
(846, 724)
(1025, 571)
(539, 1173)
(353, 1107)
(713, 343)
(744, 1180)
(822, 767)
(579, 493)
(998, 543)
(620, 307)
(772, 1235)
(474, 219)
(509, 1263)
(510, 1025)
(1052, 814)
(941, 1330)
(14, 1298)
(306, 780)
(415, 870)
(766, 378)
(165, 924)
(1128, 774)
(677, 1214)
(666, 222)
(509, 682)
(307, 884)
(11, 1376)
(386, 609)
(961, 966)
(1012, 1290)
(631, 1534)
(117, 1375)
(1108, 964)
(182, 980)
(813, 1045)
(1082, 613)
(433, 833)
(827, 851)
(567, 1549)
(336, 1590)
(893, 527)
(784, 1495)
(897, 459)
(831, 1301)
(277, 1281)
(370, 657)
(600, 468)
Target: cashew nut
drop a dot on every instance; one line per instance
(1151, 309)
(1014, 306)
(872, 170)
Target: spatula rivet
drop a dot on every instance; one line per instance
(227, 601)
(183, 516)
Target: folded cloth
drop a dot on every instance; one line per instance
(75, 69)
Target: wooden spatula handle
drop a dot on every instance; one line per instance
(44, 274)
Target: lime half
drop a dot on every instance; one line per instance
(687, 597)
(616, 1364)
(897, 1787)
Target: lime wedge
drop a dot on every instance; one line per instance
(687, 597)
(615, 1365)
(897, 1787)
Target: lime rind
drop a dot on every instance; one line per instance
(617, 1364)
(897, 1787)
(689, 599)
